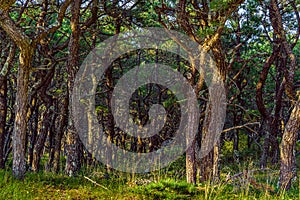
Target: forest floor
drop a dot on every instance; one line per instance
(261, 185)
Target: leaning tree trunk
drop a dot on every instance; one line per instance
(287, 148)
(46, 120)
(267, 118)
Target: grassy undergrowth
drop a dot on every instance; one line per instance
(54, 186)
(167, 183)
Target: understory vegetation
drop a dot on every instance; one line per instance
(157, 185)
(238, 180)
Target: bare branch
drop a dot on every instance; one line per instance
(241, 126)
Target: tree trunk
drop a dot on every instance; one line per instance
(206, 162)
(40, 143)
(287, 148)
(110, 125)
(3, 112)
(267, 117)
(266, 145)
(20, 126)
(33, 130)
(52, 133)
(3, 101)
(60, 131)
(191, 163)
(209, 169)
(25, 58)
(73, 145)
(191, 169)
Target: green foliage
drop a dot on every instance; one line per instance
(57, 186)
(168, 189)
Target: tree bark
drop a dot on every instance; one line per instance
(52, 134)
(3, 112)
(287, 148)
(191, 170)
(27, 47)
(3, 101)
(33, 130)
(37, 152)
(59, 135)
(73, 144)
(267, 118)
(210, 42)
(20, 125)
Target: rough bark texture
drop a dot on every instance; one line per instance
(191, 169)
(209, 169)
(206, 163)
(20, 124)
(73, 145)
(287, 148)
(33, 130)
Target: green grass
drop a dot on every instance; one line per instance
(122, 186)
(52, 186)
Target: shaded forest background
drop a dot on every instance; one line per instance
(254, 44)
